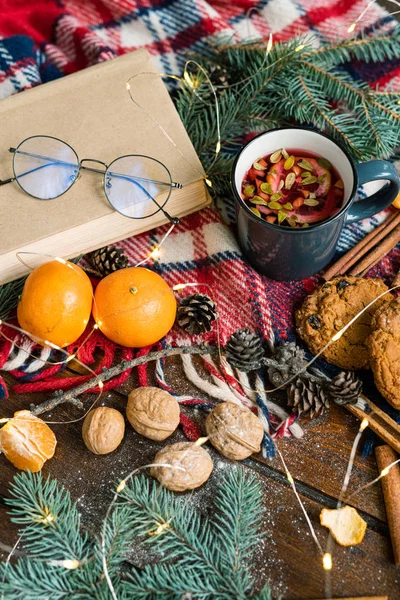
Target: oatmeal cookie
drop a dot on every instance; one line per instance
(330, 308)
(384, 351)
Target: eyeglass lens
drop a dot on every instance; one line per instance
(45, 167)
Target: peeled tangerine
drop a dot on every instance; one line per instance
(27, 442)
(345, 524)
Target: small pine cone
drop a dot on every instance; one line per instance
(196, 314)
(345, 388)
(108, 259)
(244, 350)
(307, 397)
(287, 360)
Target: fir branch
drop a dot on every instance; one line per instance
(193, 554)
(334, 127)
(372, 48)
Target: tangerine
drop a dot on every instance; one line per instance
(134, 307)
(56, 303)
(27, 441)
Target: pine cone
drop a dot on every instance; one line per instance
(108, 259)
(287, 360)
(307, 397)
(244, 350)
(196, 313)
(345, 388)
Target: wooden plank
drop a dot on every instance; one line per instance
(287, 558)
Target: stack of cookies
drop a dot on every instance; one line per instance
(372, 341)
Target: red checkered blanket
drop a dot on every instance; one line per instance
(46, 39)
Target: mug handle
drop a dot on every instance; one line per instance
(375, 170)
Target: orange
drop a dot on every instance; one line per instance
(27, 441)
(396, 201)
(134, 307)
(56, 303)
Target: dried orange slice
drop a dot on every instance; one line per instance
(345, 525)
(27, 442)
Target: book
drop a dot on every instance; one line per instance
(92, 111)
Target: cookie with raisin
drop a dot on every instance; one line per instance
(384, 351)
(327, 310)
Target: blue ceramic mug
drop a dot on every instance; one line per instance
(284, 253)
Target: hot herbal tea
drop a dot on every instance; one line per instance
(293, 188)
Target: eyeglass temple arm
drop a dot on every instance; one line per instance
(173, 220)
(4, 181)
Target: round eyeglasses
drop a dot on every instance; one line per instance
(136, 186)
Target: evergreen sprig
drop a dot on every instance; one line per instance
(294, 84)
(206, 557)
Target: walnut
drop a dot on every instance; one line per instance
(193, 466)
(103, 430)
(234, 430)
(153, 412)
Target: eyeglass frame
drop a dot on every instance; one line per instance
(172, 184)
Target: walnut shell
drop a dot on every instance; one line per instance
(234, 430)
(153, 412)
(194, 460)
(103, 430)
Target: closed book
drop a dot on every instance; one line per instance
(92, 111)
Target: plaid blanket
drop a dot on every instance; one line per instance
(46, 39)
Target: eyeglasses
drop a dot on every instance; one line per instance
(46, 167)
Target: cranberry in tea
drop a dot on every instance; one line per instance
(293, 188)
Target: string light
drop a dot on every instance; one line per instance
(70, 564)
(327, 561)
(382, 474)
(293, 486)
(121, 486)
(353, 25)
(162, 527)
(299, 47)
(47, 518)
(155, 253)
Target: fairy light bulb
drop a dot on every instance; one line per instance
(188, 80)
(269, 45)
(155, 253)
(200, 441)
(128, 85)
(121, 486)
(384, 472)
(101, 385)
(70, 564)
(364, 424)
(327, 561)
(208, 182)
(179, 286)
(351, 27)
(299, 47)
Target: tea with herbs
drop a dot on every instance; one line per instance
(293, 188)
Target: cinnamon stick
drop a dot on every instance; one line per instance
(386, 245)
(359, 250)
(391, 494)
(363, 598)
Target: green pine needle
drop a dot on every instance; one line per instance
(294, 84)
(209, 558)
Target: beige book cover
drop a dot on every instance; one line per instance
(91, 110)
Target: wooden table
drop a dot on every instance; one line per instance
(287, 559)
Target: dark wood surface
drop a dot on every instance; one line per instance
(288, 558)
